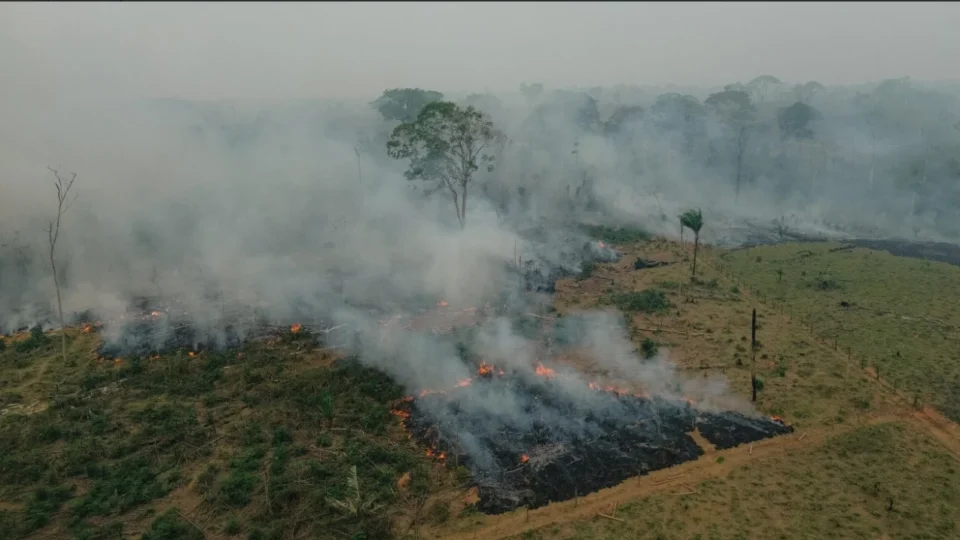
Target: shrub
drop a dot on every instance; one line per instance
(232, 527)
(170, 526)
(36, 340)
(781, 369)
(647, 301)
(44, 503)
(648, 348)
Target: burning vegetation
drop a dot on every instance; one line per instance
(530, 439)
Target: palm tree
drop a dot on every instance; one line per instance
(693, 220)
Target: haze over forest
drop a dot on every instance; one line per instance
(224, 147)
(406, 184)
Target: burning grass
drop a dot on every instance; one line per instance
(530, 439)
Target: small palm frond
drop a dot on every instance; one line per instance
(693, 220)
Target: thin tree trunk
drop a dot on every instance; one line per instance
(53, 234)
(456, 204)
(359, 172)
(56, 285)
(696, 248)
(463, 208)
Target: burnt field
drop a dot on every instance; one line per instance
(529, 439)
(749, 236)
(154, 326)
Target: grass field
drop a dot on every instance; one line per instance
(259, 443)
(263, 443)
(900, 319)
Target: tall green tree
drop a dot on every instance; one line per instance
(404, 104)
(693, 220)
(445, 146)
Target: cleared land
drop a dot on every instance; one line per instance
(262, 443)
(861, 445)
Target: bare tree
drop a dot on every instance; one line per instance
(53, 233)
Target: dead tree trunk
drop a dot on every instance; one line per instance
(53, 233)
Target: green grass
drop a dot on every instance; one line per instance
(260, 439)
(645, 301)
(618, 236)
(902, 318)
(840, 490)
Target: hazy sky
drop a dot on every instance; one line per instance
(299, 50)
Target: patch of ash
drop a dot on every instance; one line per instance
(530, 440)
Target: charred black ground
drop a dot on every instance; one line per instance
(564, 438)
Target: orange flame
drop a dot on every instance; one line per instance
(155, 314)
(443, 303)
(484, 369)
(777, 419)
(295, 327)
(191, 354)
(464, 382)
(545, 371)
(602, 244)
(524, 458)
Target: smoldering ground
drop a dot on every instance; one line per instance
(532, 430)
(224, 219)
